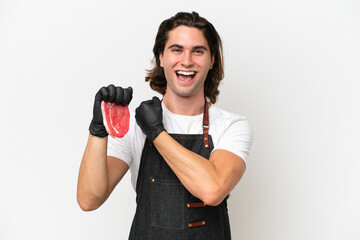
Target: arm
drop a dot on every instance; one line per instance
(209, 180)
(99, 174)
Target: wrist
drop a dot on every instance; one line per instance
(159, 137)
(155, 133)
(97, 130)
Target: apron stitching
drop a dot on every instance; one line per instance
(147, 170)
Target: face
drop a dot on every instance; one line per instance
(186, 61)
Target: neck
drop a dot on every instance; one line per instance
(189, 106)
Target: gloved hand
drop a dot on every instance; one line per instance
(149, 118)
(110, 94)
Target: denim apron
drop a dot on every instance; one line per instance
(165, 209)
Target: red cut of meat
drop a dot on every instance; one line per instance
(116, 119)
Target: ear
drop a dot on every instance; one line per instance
(161, 58)
(212, 61)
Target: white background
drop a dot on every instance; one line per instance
(292, 69)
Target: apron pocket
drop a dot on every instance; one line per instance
(167, 204)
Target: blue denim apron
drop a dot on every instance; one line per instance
(166, 210)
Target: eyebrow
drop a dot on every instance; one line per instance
(194, 48)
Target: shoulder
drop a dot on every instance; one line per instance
(231, 132)
(225, 119)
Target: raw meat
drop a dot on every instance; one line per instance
(116, 119)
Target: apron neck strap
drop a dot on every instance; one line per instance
(206, 125)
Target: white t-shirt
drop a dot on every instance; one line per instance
(229, 131)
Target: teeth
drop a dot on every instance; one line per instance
(185, 73)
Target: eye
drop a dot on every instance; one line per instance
(198, 52)
(176, 50)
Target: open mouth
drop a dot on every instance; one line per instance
(185, 76)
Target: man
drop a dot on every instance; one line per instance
(185, 154)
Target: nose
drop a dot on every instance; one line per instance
(187, 60)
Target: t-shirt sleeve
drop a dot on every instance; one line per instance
(120, 148)
(237, 138)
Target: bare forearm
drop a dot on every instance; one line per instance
(93, 175)
(196, 173)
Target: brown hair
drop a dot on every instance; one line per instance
(156, 76)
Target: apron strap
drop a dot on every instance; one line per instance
(206, 125)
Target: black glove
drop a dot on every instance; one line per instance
(149, 118)
(110, 94)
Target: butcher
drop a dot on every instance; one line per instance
(184, 153)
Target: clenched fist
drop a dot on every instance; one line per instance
(149, 117)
